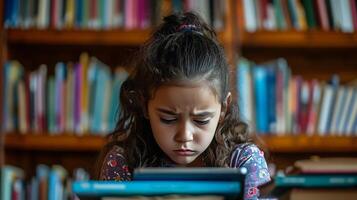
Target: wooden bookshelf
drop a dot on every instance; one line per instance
(45, 142)
(299, 39)
(313, 54)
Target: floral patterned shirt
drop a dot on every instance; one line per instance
(244, 155)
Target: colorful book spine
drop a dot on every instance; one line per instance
(260, 93)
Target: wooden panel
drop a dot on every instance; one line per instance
(77, 37)
(116, 37)
(306, 144)
(32, 55)
(298, 39)
(277, 144)
(45, 142)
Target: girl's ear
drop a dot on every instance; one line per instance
(225, 105)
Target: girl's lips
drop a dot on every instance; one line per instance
(184, 152)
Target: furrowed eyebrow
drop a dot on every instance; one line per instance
(204, 114)
(169, 112)
(200, 114)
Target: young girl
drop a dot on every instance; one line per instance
(176, 109)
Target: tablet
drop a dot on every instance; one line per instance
(164, 182)
(199, 174)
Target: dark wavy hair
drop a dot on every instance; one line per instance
(183, 48)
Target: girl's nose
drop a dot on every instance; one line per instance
(184, 133)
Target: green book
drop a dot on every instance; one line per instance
(309, 12)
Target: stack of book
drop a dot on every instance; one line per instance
(322, 178)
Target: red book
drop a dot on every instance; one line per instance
(93, 14)
(264, 10)
(54, 10)
(312, 108)
(28, 101)
(353, 7)
(322, 15)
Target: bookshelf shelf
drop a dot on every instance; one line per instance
(299, 39)
(77, 37)
(117, 37)
(45, 142)
(275, 144)
(307, 144)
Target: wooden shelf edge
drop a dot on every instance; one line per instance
(275, 144)
(310, 144)
(77, 37)
(299, 39)
(115, 37)
(54, 143)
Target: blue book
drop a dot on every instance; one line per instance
(244, 91)
(155, 188)
(271, 98)
(119, 77)
(79, 13)
(54, 186)
(261, 99)
(335, 82)
(103, 81)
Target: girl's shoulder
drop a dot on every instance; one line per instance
(115, 166)
(244, 152)
(248, 155)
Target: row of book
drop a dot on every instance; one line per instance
(77, 98)
(272, 100)
(300, 15)
(49, 183)
(104, 14)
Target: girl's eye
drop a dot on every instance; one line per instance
(167, 121)
(201, 122)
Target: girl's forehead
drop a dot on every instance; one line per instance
(183, 90)
(201, 85)
(187, 83)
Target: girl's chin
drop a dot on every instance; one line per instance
(183, 161)
(188, 161)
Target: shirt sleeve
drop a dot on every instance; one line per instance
(252, 158)
(115, 167)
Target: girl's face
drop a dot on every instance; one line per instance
(184, 119)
